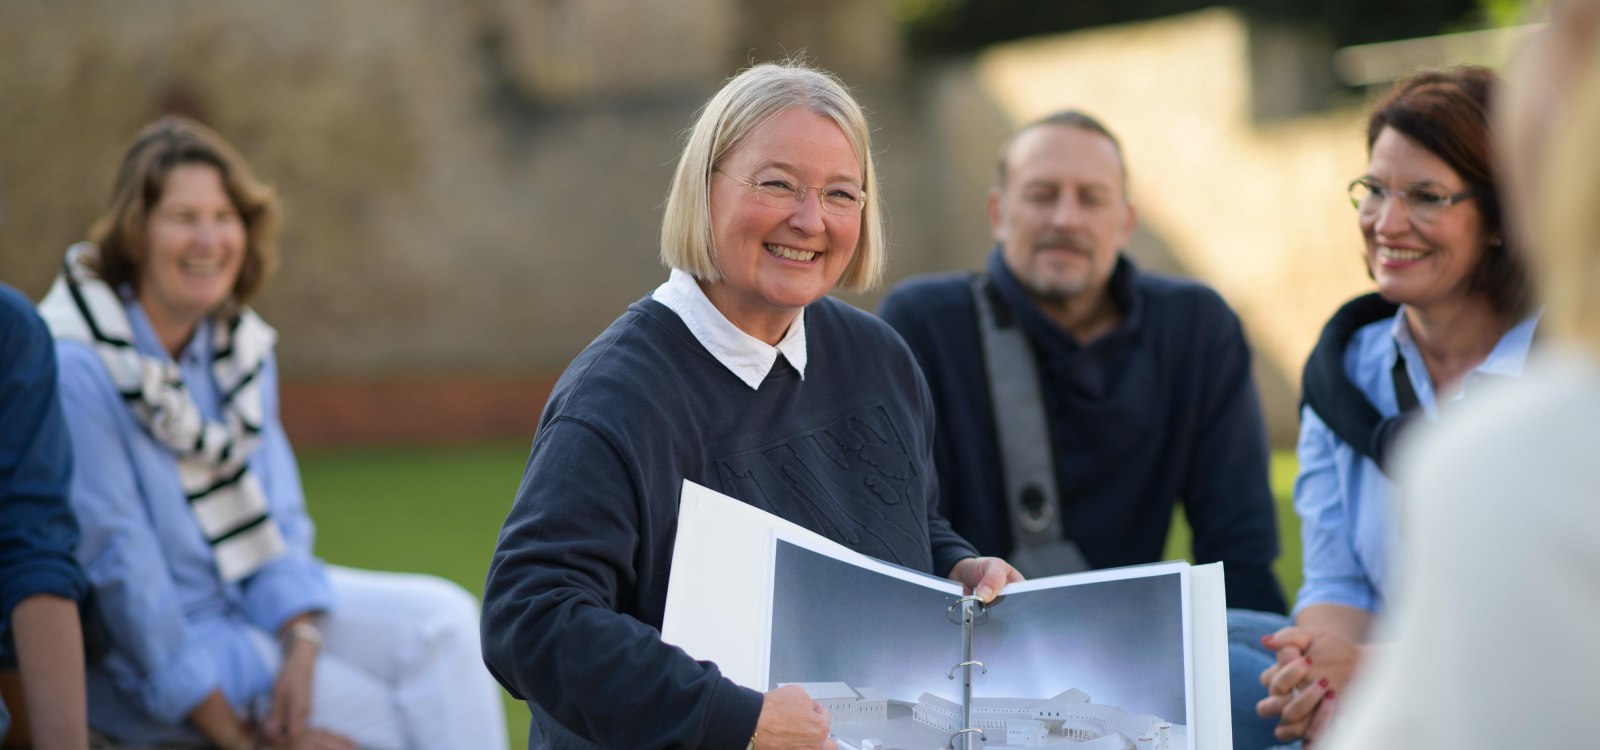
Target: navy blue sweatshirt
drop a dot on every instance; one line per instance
(577, 588)
(1160, 410)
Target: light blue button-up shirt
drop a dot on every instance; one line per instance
(177, 631)
(1348, 523)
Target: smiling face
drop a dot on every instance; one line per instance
(1062, 215)
(194, 246)
(1415, 262)
(775, 261)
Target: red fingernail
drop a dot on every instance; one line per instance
(1328, 696)
(1322, 682)
(1308, 660)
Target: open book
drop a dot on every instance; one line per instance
(1128, 658)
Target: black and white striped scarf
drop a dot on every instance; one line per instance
(225, 498)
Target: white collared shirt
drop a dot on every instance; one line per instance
(747, 357)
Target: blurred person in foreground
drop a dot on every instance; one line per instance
(40, 582)
(1141, 393)
(741, 374)
(1502, 507)
(1451, 317)
(223, 627)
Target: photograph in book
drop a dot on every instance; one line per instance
(1095, 660)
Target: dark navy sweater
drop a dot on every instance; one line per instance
(577, 588)
(1160, 410)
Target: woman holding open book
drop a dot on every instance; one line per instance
(739, 373)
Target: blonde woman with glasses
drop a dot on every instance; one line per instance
(741, 374)
(1451, 315)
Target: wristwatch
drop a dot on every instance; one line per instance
(752, 745)
(303, 631)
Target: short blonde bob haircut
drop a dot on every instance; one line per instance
(161, 147)
(747, 101)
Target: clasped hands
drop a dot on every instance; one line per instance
(284, 725)
(1312, 668)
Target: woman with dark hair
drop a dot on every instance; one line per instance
(222, 626)
(1457, 674)
(1450, 316)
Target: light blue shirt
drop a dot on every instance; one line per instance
(1348, 523)
(177, 631)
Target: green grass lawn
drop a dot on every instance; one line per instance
(423, 510)
(438, 510)
(1287, 566)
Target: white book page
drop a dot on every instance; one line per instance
(1211, 690)
(719, 597)
(720, 590)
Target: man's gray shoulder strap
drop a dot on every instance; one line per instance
(1033, 501)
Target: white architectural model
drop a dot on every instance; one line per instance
(1069, 719)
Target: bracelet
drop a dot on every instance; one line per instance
(303, 631)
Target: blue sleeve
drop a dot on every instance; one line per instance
(1228, 498)
(295, 583)
(37, 529)
(554, 629)
(156, 655)
(1333, 575)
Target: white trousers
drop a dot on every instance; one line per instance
(401, 667)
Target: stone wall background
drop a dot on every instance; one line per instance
(473, 189)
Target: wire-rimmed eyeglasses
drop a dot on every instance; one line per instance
(1423, 202)
(842, 199)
